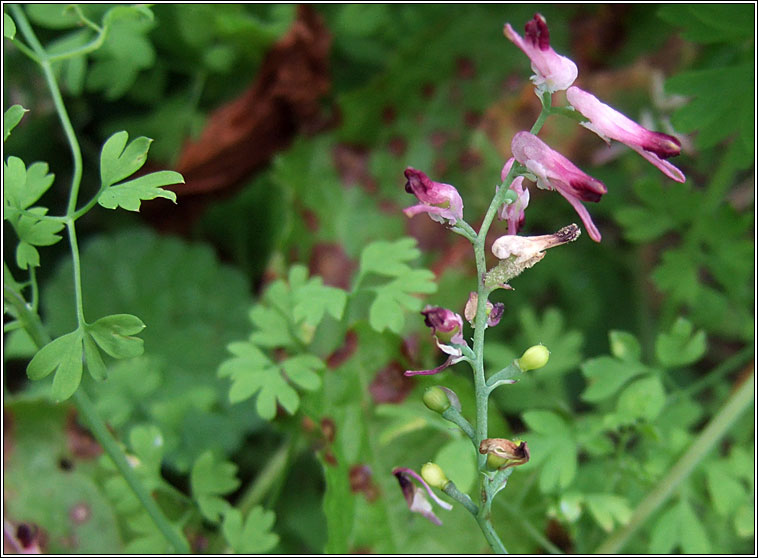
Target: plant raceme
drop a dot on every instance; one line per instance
(535, 161)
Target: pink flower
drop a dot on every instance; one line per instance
(414, 495)
(610, 124)
(513, 213)
(447, 328)
(554, 172)
(441, 201)
(553, 72)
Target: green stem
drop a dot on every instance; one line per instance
(712, 433)
(453, 415)
(451, 490)
(481, 389)
(547, 103)
(100, 432)
(86, 409)
(35, 289)
(78, 297)
(76, 153)
(32, 321)
(485, 524)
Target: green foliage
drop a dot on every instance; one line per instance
(389, 259)
(119, 161)
(12, 116)
(262, 406)
(64, 357)
(209, 480)
(191, 310)
(681, 346)
(253, 535)
(9, 29)
(22, 188)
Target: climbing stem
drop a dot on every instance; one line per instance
(96, 425)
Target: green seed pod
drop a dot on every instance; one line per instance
(434, 475)
(436, 399)
(494, 462)
(533, 358)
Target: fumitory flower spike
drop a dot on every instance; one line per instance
(441, 201)
(610, 124)
(553, 171)
(553, 72)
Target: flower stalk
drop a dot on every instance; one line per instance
(534, 160)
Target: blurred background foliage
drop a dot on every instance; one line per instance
(436, 87)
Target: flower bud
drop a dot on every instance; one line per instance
(436, 399)
(533, 358)
(434, 475)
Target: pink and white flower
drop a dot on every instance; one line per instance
(553, 171)
(610, 124)
(441, 201)
(513, 213)
(553, 72)
(414, 495)
(447, 328)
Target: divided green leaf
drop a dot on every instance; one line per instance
(395, 298)
(606, 375)
(681, 346)
(553, 446)
(301, 369)
(129, 195)
(115, 335)
(210, 479)
(119, 161)
(64, 357)
(389, 258)
(253, 372)
(624, 345)
(92, 358)
(314, 299)
(643, 399)
(21, 186)
(608, 510)
(718, 112)
(254, 536)
(15, 113)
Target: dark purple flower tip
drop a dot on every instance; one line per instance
(417, 181)
(495, 314)
(441, 320)
(441, 201)
(537, 33)
(589, 189)
(663, 145)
